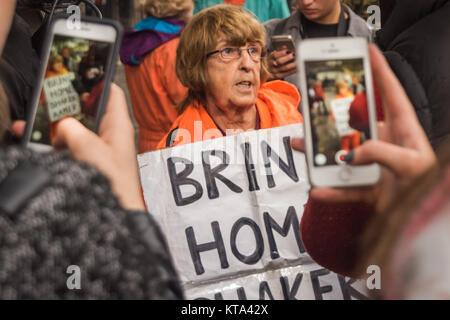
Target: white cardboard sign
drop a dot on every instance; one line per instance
(340, 109)
(230, 210)
(62, 99)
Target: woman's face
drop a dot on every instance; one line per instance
(58, 66)
(233, 83)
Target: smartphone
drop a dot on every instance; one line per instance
(338, 109)
(281, 42)
(78, 65)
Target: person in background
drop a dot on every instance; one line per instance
(263, 9)
(313, 19)
(56, 67)
(149, 53)
(343, 90)
(80, 210)
(68, 60)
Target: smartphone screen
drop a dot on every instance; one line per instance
(337, 107)
(72, 86)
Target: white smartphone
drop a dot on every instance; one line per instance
(78, 64)
(338, 109)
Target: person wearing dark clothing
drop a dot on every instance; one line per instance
(415, 36)
(78, 229)
(19, 68)
(58, 215)
(73, 219)
(312, 19)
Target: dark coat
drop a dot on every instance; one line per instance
(419, 31)
(19, 68)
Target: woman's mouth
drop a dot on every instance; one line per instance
(244, 84)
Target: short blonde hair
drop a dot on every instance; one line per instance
(236, 25)
(167, 8)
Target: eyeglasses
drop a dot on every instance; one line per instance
(231, 53)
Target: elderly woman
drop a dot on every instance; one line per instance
(148, 53)
(221, 60)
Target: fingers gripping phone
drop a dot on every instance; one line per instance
(338, 109)
(78, 64)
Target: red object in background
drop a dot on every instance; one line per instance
(90, 106)
(359, 117)
(351, 141)
(331, 232)
(234, 2)
(318, 90)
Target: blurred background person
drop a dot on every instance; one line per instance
(68, 60)
(342, 90)
(149, 53)
(415, 41)
(312, 19)
(56, 67)
(263, 9)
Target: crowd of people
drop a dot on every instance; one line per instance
(217, 66)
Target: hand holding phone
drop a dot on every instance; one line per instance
(112, 151)
(333, 72)
(403, 149)
(78, 66)
(282, 58)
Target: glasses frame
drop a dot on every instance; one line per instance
(263, 53)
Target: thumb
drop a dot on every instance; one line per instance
(71, 134)
(18, 128)
(397, 159)
(298, 144)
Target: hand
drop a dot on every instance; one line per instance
(403, 150)
(18, 128)
(112, 151)
(84, 97)
(282, 63)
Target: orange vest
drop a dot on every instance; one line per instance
(155, 92)
(277, 104)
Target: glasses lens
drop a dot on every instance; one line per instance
(255, 52)
(230, 53)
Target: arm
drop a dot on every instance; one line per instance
(112, 151)
(335, 218)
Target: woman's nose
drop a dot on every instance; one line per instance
(246, 60)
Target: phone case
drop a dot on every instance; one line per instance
(109, 75)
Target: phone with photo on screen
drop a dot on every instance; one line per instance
(338, 109)
(78, 65)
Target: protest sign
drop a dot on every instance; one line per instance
(230, 209)
(62, 99)
(340, 109)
